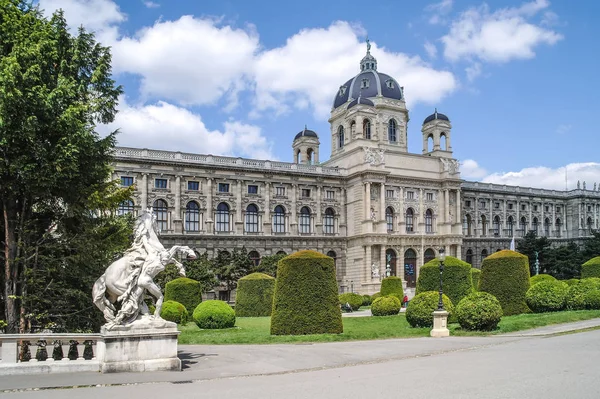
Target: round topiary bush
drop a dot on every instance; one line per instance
(539, 278)
(392, 286)
(184, 290)
(547, 296)
(505, 275)
(386, 306)
(475, 276)
(214, 314)
(367, 301)
(254, 295)
(355, 300)
(572, 281)
(577, 293)
(175, 312)
(457, 279)
(306, 300)
(375, 296)
(419, 312)
(591, 268)
(479, 311)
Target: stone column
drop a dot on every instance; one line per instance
(382, 204)
(402, 221)
(369, 262)
(421, 213)
(294, 219)
(446, 206)
(530, 222)
(177, 221)
(343, 212)
(239, 223)
(553, 224)
(504, 221)
(209, 205)
(383, 260)
(318, 215)
(367, 200)
(477, 220)
(144, 189)
(267, 211)
(458, 213)
(518, 221)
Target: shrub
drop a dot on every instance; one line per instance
(254, 295)
(184, 290)
(572, 281)
(355, 300)
(591, 268)
(305, 300)
(539, 278)
(475, 276)
(386, 306)
(479, 311)
(419, 312)
(175, 312)
(505, 275)
(367, 300)
(214, 314)
(547, 296)
(591, 300)
(457, 279)
(577, 293)
(392, 286)
(375, 296)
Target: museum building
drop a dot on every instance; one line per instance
(372, 206)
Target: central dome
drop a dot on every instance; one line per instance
(368, 83)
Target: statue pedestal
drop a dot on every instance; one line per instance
(144, 345)
(440, 324)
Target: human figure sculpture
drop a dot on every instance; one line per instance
(374, 271)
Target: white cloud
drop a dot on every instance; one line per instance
(564, 129)
(169, 127)
(470, 169)
(439, 11)
(151, 4)
(473, 71)
(430, 49)
(498, 36)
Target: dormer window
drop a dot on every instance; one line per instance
(364, 84)
(342, 91)
(389, 83)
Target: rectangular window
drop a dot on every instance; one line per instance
(467, 203)
(496, 205)
(510, 206)
(193, 186)
(535, 208)
(429, 196)
(329, 194)
(558, 209)
(546, 208)
(252, 189)
(523, 207)
(126, 181)
(280, 191)
(306, 192)
(223, 187)
(589, 208)
(482, 204)
(389, 193)
(410, 195)
(160, 183)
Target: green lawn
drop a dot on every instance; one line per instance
(255, 330)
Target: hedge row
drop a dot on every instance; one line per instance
(591, 268)
(184, 290)
(392, 286)
(457, 280)
(254, 296)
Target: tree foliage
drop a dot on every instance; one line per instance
(531, 244)
(231, 266)
(268, 264)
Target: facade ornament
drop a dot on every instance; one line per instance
(594, 187)
(374, 156)
(584, 185)
(451, 166)
(578, 185)
(373, 214)
(375, 271)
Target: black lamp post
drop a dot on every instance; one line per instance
(441, 258)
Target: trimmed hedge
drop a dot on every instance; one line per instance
(184, 290)
(175, 312)
(539, 278)
(214, 314)
(355, 300)
(576, 296)
(475, 276)
(367, 301)
(592, 300)
(591, 268)
(305, 300)
(572, 281)
(479, 311)
(419, 312)
(392, 286)
(254, 295)
(505, 275)
(547, 296)
(375, 296)
(386, 306)
(457, 280)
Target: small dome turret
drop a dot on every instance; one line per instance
(436, 115)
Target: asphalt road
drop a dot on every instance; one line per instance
(565, 366)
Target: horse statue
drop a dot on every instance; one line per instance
(128, 278)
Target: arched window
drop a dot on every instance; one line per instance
(391, 260)
(298, 157)
(125, 207)
(410, 267)
(252, 219)
(428, 221)
(392, 131)
(222, 217)
(333, 255)
(443, 142)
(161, 211)
(304, 220)
(279, 219)
(558, 227)
(430, 143)
(192, 216)
(309, 156)
(467, 225)
(341, 137)
(535, 225)
(547, 227)
(510, 226)
(484, 226)
(428, 255)
(254, 257)
(523, 226)
(484, 254)
(328, 222)
(281, 253)
(496, 226)
(590, 225)
(389, 218)
(367, 129)
(410, 220)
(469, 258)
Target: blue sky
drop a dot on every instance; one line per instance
(517, 78)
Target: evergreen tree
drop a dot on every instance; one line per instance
(230, 267)
(268, 264)
(531, 244)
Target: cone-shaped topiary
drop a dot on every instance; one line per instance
(547, 296)
(386, 306)
(539, 278)
(479, 311)
(591, 268)
(457, 279)
(214, 314)
(175, 312)
(305, 300)
(254, 295)
(576, 295)
(505, 275)
(392, 286)
(476, 276)
(419, 312)
(355, 300)
(184, 290)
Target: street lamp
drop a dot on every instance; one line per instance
(440, 316)
(441, 258)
